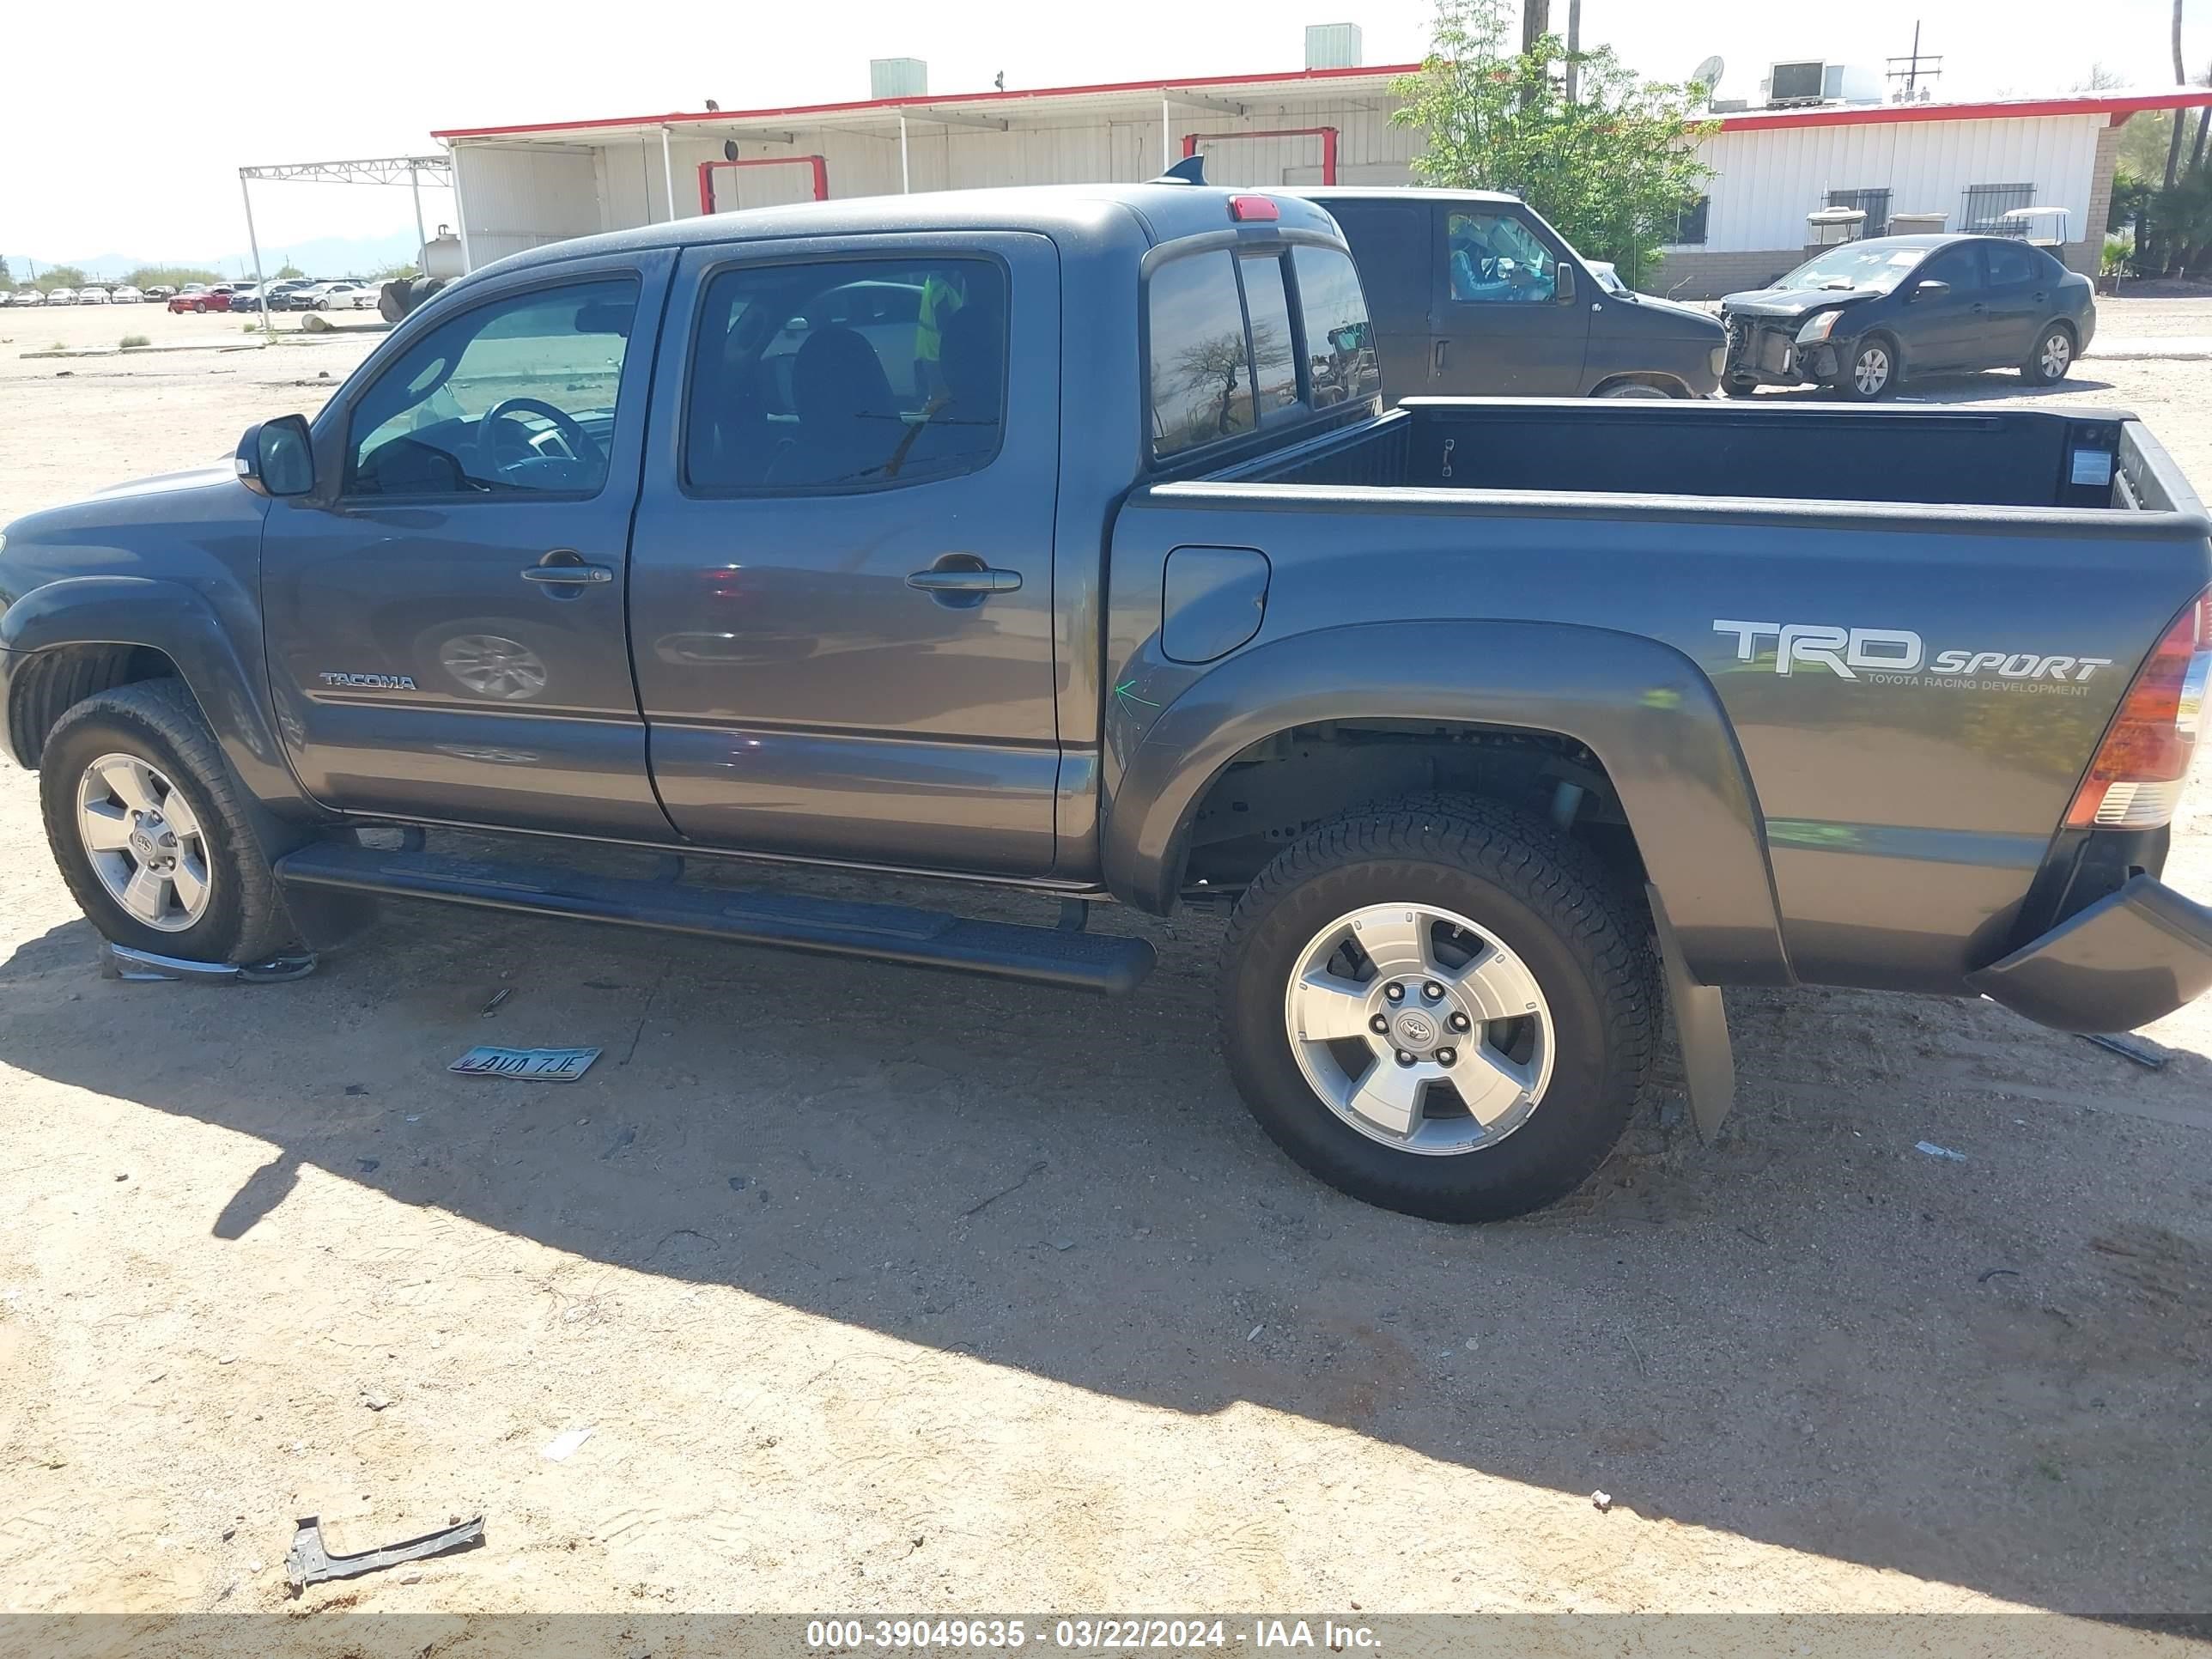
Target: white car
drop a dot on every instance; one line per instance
(335, 296)
(125, 295)
(92, 296)
(28, 296)
(61, 296)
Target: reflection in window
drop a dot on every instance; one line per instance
(1496, 260)
(517, 395)
(846, 374)
(1275, 384)
(1340, 342)
(1201, 378)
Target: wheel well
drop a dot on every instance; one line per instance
(56, 680)
(1657, 382)
(1274, 791)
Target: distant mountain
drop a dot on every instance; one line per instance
(321, 256)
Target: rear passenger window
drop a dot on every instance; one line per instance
(1340, 340)
(832, 376)
(2010, 263)
(1274, 356)
(1201, 379)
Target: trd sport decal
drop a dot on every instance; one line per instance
(1883, 652)
(370, 682)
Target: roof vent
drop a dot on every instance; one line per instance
(897, 77)
(1331, 45)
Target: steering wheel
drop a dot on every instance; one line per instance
(580, 445)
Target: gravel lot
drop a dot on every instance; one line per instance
(880, 1290)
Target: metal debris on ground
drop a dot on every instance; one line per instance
(562, 1447)
(310, 1563)
(2144, 1055)
(530, 1065)
(1602, 1500)
(1997, 1272)
(1934, 1151)
(497, 997)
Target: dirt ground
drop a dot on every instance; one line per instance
(884, 1291)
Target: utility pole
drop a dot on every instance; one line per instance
(1536, 22)
(1574, 46)
(2180, 120)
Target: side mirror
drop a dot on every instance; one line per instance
(276, 457)
(1563, 275)
(1933, 288)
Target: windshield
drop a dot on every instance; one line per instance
(1858, 264)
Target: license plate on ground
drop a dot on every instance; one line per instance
(530, 1065)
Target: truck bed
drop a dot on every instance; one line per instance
(1999, 575)
(1952, 457)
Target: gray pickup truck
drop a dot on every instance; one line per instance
(1055, 539)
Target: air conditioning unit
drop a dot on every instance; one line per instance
(1805, 81)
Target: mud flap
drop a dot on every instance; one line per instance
(1700, 1026)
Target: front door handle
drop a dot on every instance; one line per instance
(1437, 357)
(980, 578)
(565, 567)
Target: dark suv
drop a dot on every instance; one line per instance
(1475, 294)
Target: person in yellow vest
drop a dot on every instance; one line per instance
(941, 296)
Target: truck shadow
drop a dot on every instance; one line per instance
(1812, 1334)
(1959, 388)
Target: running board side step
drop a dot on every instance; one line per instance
(889, 933)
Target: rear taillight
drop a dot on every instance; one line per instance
(2134, 782)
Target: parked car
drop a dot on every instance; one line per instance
(28, 296)
(94, 295)
(1450, 700)
(334, 296)
(246, 296)
(1475, 294)
(1864, 317)
(160, 291)
(123, 294)
(189, 298)
(281, 292)
(61, 296)
(196, 287)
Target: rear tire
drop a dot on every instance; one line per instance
(1738, 388)
(2052, 357)
(226, 908)
(200, 306)
(1871, 372)
(1631, 389)
(1541, 925)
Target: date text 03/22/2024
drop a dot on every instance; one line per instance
(1081, 1635)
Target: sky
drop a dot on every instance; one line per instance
(129, 136)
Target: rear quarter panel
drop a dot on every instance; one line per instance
(1905, 811)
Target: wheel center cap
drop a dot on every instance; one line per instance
(142, 844)
(1415, 1030)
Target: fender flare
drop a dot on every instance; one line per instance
(1646, 711)
(179, 622)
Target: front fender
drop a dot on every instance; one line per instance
(1645, 710)
(179, 622)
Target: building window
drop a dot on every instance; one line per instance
(1983, 212)
(1875, 203)
(1690, 224)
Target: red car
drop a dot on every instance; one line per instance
(213, 299)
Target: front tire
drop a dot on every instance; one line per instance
(148, 831)
(1506, 1064)
(2053, 356)
(1871, 372)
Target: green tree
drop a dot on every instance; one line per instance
(1612, 169)
(62, 277)
(285, 273)
(6, 280)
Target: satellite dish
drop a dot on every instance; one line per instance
(1708, 74)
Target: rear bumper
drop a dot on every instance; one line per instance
(2133, 957)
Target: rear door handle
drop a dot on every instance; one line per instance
(981, 581)
(1436, 355)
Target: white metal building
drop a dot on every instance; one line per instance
(520, 186)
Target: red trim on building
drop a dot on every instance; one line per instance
(2120, 106)
(821, 169)
(892, 106)
(1191, 141)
